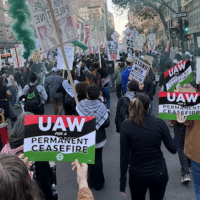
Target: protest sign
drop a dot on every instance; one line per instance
(128, 34)
(95, 49)
(87, 34)
(44, 26)
(69, 52)
(187, 104)
(17, 53)
(60, 138)
(37, 56)
(78, 27)
(139, 71)
(197, 70)
(181, 73)
(149, 59)
(115, 36)
(152, 38)
(113, 51)
(130, 50)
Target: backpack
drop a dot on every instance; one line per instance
(33, 99)
(122, 113)
(68, 99)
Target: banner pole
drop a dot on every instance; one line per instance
(63, 51)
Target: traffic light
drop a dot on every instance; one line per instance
(186, 26)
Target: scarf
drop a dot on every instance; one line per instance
(130, 95)
(93, 108)
(68, 87)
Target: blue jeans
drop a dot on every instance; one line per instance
(151, 109)
(106, 95)
(196, 178)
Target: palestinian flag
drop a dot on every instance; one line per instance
(60, 138)
(171, 103)
(181, 73)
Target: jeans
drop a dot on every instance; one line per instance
(156, 185)
(184, 161)
(196, 178)
(151, 109)
(106, 95)
(58, 106)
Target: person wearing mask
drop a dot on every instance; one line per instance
(51, 84)
(94, 107)
(81, 71)
(119, 67)
(141, 137)
(125, 73)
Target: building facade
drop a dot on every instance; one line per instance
(7, 39)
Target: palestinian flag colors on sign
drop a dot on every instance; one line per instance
(171, 103)
(181, 73)
(60, 138)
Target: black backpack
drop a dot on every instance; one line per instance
(122, 113)
(33, 99)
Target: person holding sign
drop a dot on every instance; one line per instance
(141, 137)
(191, 147)
(94, 107)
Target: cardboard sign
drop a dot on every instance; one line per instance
(115, 36)
(130, 50)
(185, 103)
(60, 138)
(149, 59)
(181, 73)
(197, 70)
(113, 51)
(43, 22)
(139, 71)
(69, 52)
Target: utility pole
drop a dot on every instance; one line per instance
(180, 23)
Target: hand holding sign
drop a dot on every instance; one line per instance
(81, 173)
(181, 118)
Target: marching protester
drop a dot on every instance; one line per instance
(81, 71)
(125, 73)
(51, 84)
(35, 96)
(68, 95)
(140, 137)
(122, 112)
(94, 107)
(5, 95)
(119, 67)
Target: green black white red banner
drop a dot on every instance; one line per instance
(171, 103)
(181, 73)
(60, 138)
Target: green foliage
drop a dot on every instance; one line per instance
(24, 34)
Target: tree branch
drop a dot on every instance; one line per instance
(167, 5)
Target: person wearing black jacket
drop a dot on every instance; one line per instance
(94, 107)
(141, 137)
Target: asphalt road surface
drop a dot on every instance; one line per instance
(66, 178)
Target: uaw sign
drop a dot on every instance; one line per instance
(181, 73)
(139, 71)
(60, 138)
(171, 103)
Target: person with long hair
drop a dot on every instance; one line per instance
(141, 137)
(15, 146)
(15, 181)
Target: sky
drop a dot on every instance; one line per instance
(120, 16)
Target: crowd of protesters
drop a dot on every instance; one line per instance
(141, 134)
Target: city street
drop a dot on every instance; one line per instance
(66, 178)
